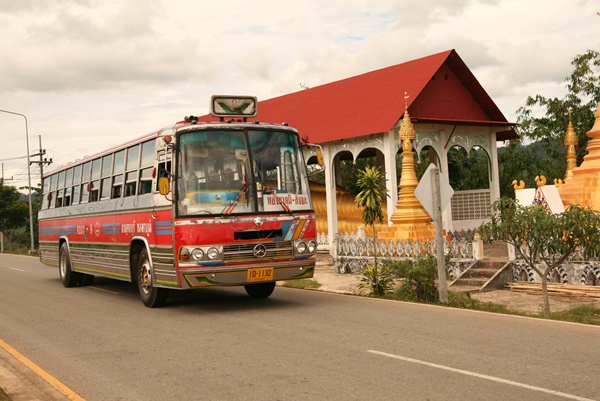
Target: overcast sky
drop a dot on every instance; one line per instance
(90, 74)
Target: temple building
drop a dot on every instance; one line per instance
(361, 116)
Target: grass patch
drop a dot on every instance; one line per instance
(457, 299)
(303, 283)
(579, 314)
(463, 300)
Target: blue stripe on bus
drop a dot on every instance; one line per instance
(163, 228)
(285, 226)
(111, 228)
(288, 236)
(57, 230)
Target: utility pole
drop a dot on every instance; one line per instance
(43, 160)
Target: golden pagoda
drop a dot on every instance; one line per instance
(583, 186)
(410, 220)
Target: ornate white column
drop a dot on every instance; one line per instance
(495, 172)
(330, 194)
(390, 148)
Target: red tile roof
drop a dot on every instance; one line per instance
(441, 88)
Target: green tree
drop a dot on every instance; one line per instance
(13, 213)
(468, 171)
(372, 184)
(523, 163)
(583, 96)
(543, 239)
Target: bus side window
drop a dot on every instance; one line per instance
(58, 202)
(146, 181)
(67, 198)
(94, 190)
(146, 166)
(131, 183)
(76, 185)
(95, 184)
(75, 192)
(85, 182)
(49, 200)
(116, 186)
(85, 193)
(68, 183)
(45, 192)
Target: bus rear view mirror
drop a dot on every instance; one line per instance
(320, 157)
(163, 186)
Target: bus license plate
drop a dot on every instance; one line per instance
(260, 274)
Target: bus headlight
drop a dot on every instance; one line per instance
(312, 246)
(212, 253)
(301, 247)
(197, 254)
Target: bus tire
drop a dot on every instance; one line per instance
(260, 290)
(68, 277)
(152, 296)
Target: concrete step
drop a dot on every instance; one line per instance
(483, 272)
(471, 281)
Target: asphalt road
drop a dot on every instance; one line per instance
(218, 344)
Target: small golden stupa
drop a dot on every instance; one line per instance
(582, 185)
(571, 142)
(410, 220)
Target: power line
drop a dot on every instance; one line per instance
(13, 158)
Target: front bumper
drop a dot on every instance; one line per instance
(238, 275)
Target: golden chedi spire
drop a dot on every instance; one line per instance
(409, 220)
(571, 142)
(583, 187)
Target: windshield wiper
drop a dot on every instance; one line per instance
(229, 209)
(280, 201)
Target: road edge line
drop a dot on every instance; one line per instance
(54, 382)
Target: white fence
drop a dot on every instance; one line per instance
(351, 252)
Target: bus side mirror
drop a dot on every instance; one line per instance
(163, 186)
(320, 157)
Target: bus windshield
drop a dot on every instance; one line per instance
(223, 172)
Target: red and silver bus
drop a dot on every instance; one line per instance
(223, 201)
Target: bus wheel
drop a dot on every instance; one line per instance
(68, 277)
(261, 290)
(152, 296)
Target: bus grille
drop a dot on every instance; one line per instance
(244, 253)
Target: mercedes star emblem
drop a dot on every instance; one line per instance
(260, 251)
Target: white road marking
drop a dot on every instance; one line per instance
(481, 376)
(19, 270)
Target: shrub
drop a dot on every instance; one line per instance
(376, 280)
(420, 281)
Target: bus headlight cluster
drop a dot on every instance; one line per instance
(304, 247)
(200, 253)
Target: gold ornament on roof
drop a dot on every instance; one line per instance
(571, 142)
(540, 180)
(519, 186)
(407, 131)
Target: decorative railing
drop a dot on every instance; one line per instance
(352, 252)
(575, 270)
